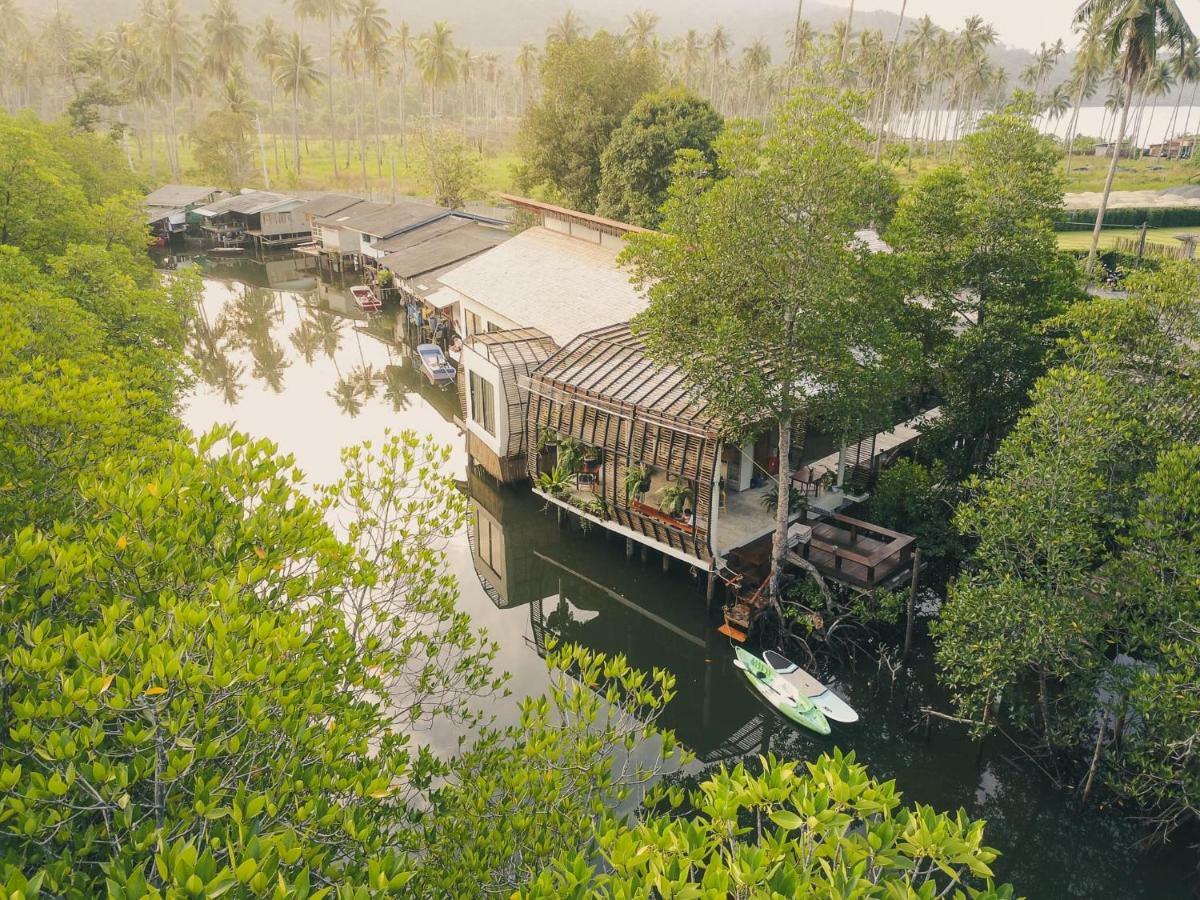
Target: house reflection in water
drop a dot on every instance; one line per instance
(578, 588)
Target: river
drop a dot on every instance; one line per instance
(543, 579)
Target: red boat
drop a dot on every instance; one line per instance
(365, 299)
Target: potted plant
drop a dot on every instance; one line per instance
(570, 457)
(547, 437)
(556, 482)
(672, 497)
(637, 481)
(591, 460)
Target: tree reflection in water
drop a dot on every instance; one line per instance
(347, 394)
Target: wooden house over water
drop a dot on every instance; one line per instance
(168, 207)
(520, 301)
(263, 219)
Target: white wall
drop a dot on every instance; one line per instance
(473, 361)
(486, 315)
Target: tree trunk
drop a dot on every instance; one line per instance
(1090, 266)
(296, 132)
(1087, 787)
(1044, 704)
(887, 80)
(332, 120)
(1074, 123)
(782, 507)
(1187, 122)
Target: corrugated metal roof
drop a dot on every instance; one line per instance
(176, 195)
(547, 280)
(458, 241)
(383, 220)
(247, 204)
(329, 204)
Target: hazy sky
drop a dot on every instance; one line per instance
(1020, 23)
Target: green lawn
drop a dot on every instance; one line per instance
(316, 168)
(1082, 240)
(1088, 173)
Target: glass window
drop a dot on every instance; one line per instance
(483, 403)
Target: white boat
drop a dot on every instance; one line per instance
(834, 707)
(435, 365)
(365, 299)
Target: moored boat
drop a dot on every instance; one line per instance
(365, 299)
(435, 365)
(780, 694)
(824, 699)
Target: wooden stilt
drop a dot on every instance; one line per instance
(710, 590)
(629, 548)
(644, 554)
(666, 563)
(912, 602)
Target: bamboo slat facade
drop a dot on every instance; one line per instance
(602, 391)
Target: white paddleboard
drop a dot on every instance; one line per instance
(834, 707)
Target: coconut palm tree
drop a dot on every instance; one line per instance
(567, 29)
(1135, 32)
(226, 39)
(331, 10)
(1186, 70)
(296, 72)
(173, 40)
(1190, 73)
(639, 30)
(756, 60)
(846, 35)
(884, 102)
(369, 27)
(402, 46)
(349, 57)
(1090, 62)
(719, 44)
(691, 56)
(526, 63)
(267, 49)
(438, 60)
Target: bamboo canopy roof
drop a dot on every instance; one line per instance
(609, 368)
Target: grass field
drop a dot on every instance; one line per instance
(1082, 240)
(1088, 173)
(316, 168)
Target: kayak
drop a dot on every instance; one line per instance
(780, 694)
(829, 703)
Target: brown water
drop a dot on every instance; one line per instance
(532, 578)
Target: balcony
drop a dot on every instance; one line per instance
(858, 553)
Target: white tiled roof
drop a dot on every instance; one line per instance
(547, 280)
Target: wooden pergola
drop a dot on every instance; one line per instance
(603, 391)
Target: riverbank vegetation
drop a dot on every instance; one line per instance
(212, 669)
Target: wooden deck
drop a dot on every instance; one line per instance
(858, 553)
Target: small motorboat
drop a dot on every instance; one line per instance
(435, 365)
(365, 299)
(780, 694)
(833, 706)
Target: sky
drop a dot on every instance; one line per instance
(1020, 23)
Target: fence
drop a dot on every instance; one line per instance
(1134, 247)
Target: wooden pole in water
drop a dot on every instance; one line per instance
(912, 602)
(666, 563)
(629, 548)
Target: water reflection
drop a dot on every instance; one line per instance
(305, 369)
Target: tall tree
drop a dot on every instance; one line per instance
(299, 77)
(756, 288)
(588, 87)
(635, 168)
(1135, 32)
(439, 62)
(226, 39)
(267, 50)
(567, 29)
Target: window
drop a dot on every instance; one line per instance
(472, 323)
(483, 403)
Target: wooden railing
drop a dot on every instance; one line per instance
(852, 559)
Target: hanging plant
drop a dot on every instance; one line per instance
(672, 497)
(637, 481)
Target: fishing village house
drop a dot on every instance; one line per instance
(168, 208)
(263, 219)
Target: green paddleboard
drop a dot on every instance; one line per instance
(780, 694)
